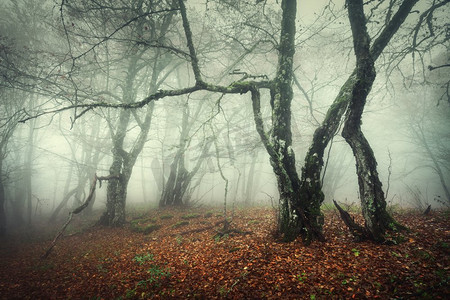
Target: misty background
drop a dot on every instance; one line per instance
(54, 57)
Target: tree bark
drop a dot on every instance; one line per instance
(311, 185)
(122, 167)
(377, 219)
(296, 217)
(2, 203)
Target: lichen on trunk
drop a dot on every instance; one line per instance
(377, 219)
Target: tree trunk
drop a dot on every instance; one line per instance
(122, 167)
(28, 169)
(296, 217)
(117, 188)
(177, 182)
(176, 188)
(116, 194)
(250, 181)
(311, 185)
(373, 202)
(2, 205)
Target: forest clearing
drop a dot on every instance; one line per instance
(181, 254)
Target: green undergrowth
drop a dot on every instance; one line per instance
(145, 226)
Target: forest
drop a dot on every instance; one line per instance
(215, 149)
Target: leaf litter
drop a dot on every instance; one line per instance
(192, 261)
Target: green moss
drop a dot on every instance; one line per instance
(190, 216)
(244, 86)
(146, 229)
(166, 217)
(142, 221)
(180, 224)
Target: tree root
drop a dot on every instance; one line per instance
(360, 233)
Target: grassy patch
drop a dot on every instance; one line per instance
(166, 217)
(180, 224)
(190, 216)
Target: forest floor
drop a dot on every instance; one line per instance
(177, 254)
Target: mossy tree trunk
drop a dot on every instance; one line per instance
(122, 167)
(295, 216)
(377, 219)
(311, 185)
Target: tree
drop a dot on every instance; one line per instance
(88, 149)
(18, 91)
(376, 217)
(300, 197)
(10, 114)
(123, 161)
(175, 192)
(372, 195)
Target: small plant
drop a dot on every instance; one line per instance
(222, 291)
(396, 254)
(129, 294)
(179, 239)
(301, 278)
(219, 237)
(348, 280)
(155, 275)
(441, 244)
(393, 278)
(355, 251)
(142, 259)
(149, 228)
(144, 226)
(424, 254)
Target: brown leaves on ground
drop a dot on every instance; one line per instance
(181, 259)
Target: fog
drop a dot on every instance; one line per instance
(58, 63)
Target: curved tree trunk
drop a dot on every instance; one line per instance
(311, 185)
(296, 216)
(122, 167)
(177, 183)
(373, 202)
(117, 188)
